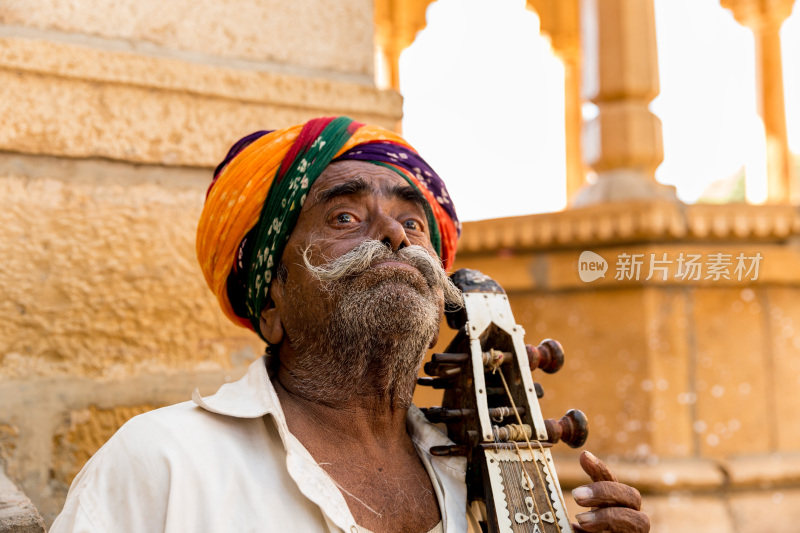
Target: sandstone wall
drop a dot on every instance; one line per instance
(112, 117)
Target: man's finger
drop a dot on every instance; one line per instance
(596, 468)
(615, 520)
(608, 494)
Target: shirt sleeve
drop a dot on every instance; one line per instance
(75, 518)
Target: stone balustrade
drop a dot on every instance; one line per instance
(17, 513)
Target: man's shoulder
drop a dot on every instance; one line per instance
(181, 429)
(165, 419)
(169, 423)
(150, 440)
(148, 473)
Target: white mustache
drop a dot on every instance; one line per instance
(371, 252)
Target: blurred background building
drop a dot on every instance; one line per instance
(112, 117)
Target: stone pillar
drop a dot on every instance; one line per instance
(623, 143)
(765, 18)
(560, 21)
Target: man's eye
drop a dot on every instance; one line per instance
(412, 225)
(345, 218)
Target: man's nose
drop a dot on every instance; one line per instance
(391, 233)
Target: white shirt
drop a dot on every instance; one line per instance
(218, 464)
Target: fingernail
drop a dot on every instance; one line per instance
(585, 518)
(582, 493)
(591, 457)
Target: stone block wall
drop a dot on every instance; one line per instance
(112, 117)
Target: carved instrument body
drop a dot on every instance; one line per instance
(492, 412)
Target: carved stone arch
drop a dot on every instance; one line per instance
(397, 23)
(559, 21)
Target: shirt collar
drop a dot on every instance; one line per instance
(252, 396)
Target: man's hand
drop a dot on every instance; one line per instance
(615, 506)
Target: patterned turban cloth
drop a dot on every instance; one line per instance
(254, 202)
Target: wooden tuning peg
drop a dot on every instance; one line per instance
(548, 356)
(444, 451)
(572, 428)
(436, 383)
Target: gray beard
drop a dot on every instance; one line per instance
(379, 327)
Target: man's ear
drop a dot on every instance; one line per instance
(270, 325)
(270, 320)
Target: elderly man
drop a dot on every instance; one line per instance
(330, 240)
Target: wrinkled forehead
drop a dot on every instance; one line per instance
(351, 178)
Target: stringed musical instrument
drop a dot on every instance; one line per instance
(491, 410)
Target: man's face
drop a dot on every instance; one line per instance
(372, 327)
(352, 201)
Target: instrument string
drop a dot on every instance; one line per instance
(553, 477)
(528, 478)
(495, 368)
(495, 360)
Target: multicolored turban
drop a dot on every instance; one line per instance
(254, 202)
